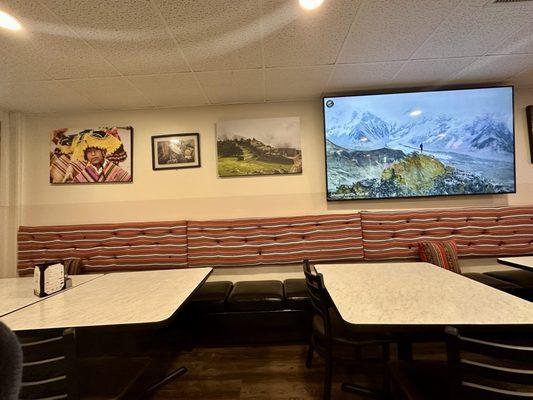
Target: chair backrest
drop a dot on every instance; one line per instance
(320, 299)
(49, 365)
(10, 364)
(490, 367)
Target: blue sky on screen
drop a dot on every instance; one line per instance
(405, 107)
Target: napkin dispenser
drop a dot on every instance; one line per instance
(49, 278)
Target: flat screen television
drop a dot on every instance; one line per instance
(420, 144)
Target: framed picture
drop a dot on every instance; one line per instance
(181, 150)
(266, 146)
(102, 155)
(529, 114)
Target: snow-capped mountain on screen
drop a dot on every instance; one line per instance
(486, 135)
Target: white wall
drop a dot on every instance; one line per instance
(10, 189)
(198, 192)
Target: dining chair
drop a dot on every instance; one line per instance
(51, 370)
(479, 366)
(10, 364)
(336, 341)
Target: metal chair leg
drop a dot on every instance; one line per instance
(309, 358)
(328, 373)
(174, 374)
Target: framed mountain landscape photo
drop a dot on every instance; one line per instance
(264, 146)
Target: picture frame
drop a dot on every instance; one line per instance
(92, 155)
(529, 116)
(259, 147)
(176, 151)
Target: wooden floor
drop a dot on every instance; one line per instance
(263, 372)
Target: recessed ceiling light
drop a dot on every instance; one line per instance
(311, 4)
(9, 22)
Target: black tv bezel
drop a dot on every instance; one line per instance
(416, 90)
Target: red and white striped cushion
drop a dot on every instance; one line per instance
(262, 241)
(477, 231)
(106, 247)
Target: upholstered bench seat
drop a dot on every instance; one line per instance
(518, 277)
(296, 294)
(256, 296)
(210, 297)
(494, 282)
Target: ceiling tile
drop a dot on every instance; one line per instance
(363, 76)
(244, 86)
(296, 83)
(216, 35)
(431, 71)
(519, 43)
(495, 68)
(14, 70)
(387, 30)
(471, 31)
(294, 36)
(49, 45)
(41, 97)
(129, 34)
(167, 90)
(109, 93)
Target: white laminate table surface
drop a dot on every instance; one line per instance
(16, 293)
(519, 262)
(120, 298)
(418, 294)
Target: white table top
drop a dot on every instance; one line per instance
(418, 294)
(519, 262)
(115, 299)
(16, 293)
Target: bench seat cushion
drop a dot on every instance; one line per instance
(518, 277)
(296, 294)
(493, 282)
(210, 297)
(256, 296)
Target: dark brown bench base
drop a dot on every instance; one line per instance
(249, 312)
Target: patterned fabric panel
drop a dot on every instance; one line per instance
(477, 231)
(106, 247)
(442, 254)
(274, 240)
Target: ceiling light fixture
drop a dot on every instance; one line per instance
(311, 4)
(9, 22)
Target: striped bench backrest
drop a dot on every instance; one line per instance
(261, 241)
(477, 231)
(106, 247)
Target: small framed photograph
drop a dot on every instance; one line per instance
(181, 150)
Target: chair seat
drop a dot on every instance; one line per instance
(421, 380)
(256, 296)
(296, 294)
(210, 297)
(493, 282)
(518, 277)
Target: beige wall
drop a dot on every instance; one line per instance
(198, 192)
(10, 189)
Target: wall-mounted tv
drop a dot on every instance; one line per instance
(420, 144)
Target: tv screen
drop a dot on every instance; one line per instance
(418, 144)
